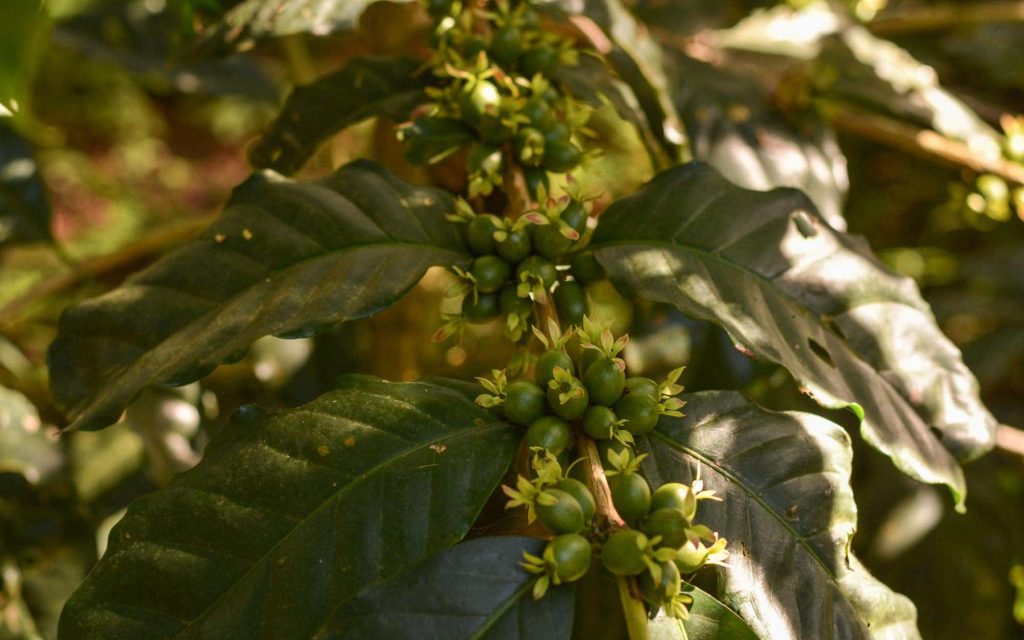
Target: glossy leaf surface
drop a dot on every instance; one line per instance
(788, 514)
(284, 258)
(789, 289)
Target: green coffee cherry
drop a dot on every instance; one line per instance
(506, 45)
(550, 242)
(571, 553)
(540, 268)
(575, 400)
(598, 422)
(516, 246)
(490, 273)
(524, 402)
(477, 99)
(670, 524)
(543, 370)
(631, 496)
(512, 304)
(561, 156)
(578, 490)
(639, 410)
(571, 303)
(480, 235)
(623, 552)
(559, 511)
(484, 308)
(673, 495)
(604, 381)
(549, 432)
(540, 59)
(646, 386)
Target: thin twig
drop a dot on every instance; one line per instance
(148, 245)
(946, 16)
(1010, 439)
(597, 482)
(924, 142)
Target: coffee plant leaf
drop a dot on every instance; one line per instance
(284, 258)
(292, 514)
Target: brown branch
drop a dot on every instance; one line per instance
(597, 481)
(946, 16)
(1010, 439)
(922, 142)
(146, 246)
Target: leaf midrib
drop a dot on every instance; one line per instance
(469, 431)
(729, 475)
(83, 407)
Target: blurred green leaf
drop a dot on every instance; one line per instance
(284, 258)
(292, 514)
(23, 26)
(476, 589)
(788, 514)
(26, 446)
(791, 290)
(24, 211)
(363, 88)
(251, 21)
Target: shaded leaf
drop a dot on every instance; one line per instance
(788, 513)
(476, 589)
(23, 26)
(292, 514)
(364, 88)
(432, 139)
(732, 126)
(709, 619)
(143, 38)
(251, 21)
(637, 58)
(788, 288)
(284, 258)
(24, 211)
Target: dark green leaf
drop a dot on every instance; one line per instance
(432, 139)
(473, 590)
(292, 514)
(284, 258)
(251, 21)
(788, 514)
(732, 126)
(637, 58)
(24, 212)
(364, 88)
(709, 620)
(791, 290)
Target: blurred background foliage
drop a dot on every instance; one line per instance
(125, 124)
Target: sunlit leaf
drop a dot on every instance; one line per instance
(788, 514)
(284, 258)
(791, 290)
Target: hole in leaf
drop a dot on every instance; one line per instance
(820, 352)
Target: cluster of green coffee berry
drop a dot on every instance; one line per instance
(519, 261)
(660, 542)
(493, 90)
